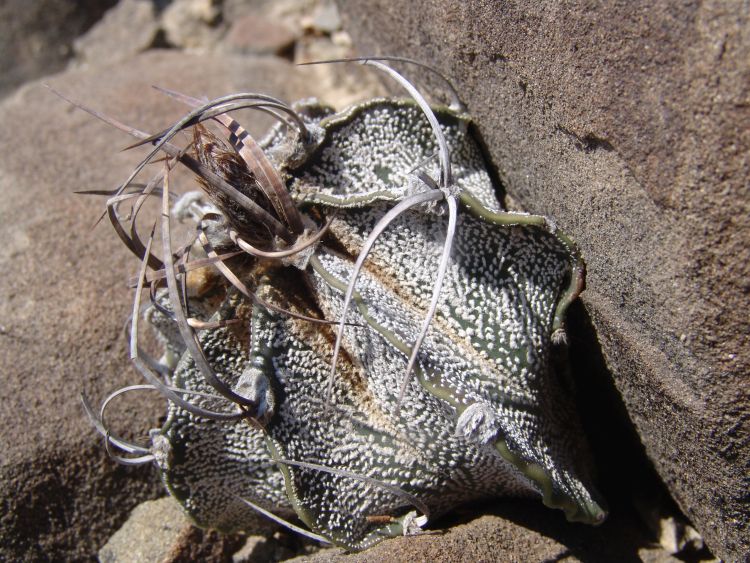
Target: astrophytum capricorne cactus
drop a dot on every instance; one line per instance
(357, 335)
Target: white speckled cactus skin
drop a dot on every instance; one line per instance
(484, 416)
(388, 345)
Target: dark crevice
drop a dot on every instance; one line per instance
(627, 478)
(160, 41)
(287, 52)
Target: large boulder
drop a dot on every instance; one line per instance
(629, 124)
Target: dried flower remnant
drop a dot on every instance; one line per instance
(357, 335)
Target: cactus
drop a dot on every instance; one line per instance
(358, 336)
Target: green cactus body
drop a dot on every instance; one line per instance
(484, 416)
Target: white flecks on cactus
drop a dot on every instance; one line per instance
(333, 427)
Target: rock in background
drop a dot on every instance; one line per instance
(629, 123)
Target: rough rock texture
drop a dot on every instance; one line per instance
(64, 296)
(630, 125)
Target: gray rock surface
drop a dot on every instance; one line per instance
(36, 36)
(629, 124)
(64, 296)
(192, 24)
(125, 30)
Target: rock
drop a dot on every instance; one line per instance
(64, 296)
(514, 531)
(36, 36)
(252, 34)
(193, 24)
(628, 124)
(280, 546)
(125, 30)
(158, 531)
(325, 18)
